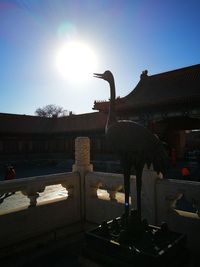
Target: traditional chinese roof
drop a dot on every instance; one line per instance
(172, 87)
(14, 124)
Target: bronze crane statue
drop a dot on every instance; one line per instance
(135, 144)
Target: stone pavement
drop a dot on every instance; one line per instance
(65, 252)
(68, 253)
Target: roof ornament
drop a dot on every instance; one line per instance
(144, 74)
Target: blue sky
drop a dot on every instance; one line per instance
(127, 37)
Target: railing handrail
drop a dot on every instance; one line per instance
(178, 182)
(45, 180)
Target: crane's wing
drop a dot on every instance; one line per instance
(160, 161)
(138, 144)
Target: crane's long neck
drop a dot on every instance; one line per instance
(111, 115)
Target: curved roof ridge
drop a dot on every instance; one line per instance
(160, 88)
(179, 71)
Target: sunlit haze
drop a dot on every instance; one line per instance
(49, 49)
(75, 61)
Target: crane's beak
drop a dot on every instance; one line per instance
(98, 75)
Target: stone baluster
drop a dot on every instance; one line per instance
(33, 199)
(69, 188)
(93, 189)
(33, 193)
(112, 192)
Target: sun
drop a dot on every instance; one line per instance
(76, 61)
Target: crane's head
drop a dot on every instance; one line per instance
(107, 76)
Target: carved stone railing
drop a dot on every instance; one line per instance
(170, 192)
(33, 186)
(95, 196)
(177, 203)
(98, 206)
(39, 218)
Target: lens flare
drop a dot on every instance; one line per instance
(67, 30)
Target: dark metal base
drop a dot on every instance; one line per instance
(127, 243)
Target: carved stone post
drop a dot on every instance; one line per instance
(33, 193)
(113, 191)
(149, 201)
(83, 166)
(33, 200)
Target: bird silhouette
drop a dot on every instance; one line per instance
(135, 145)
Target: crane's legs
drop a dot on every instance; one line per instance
(127, 173)
(139, 188)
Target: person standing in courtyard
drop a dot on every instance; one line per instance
(185, 173)
(10, 173)
(173, 157)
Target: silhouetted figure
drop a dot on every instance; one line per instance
(173, 157)
(135, 144)
(10, 173)
(185, 173)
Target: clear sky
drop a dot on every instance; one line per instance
(127, 36)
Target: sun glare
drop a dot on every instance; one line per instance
(76, 62)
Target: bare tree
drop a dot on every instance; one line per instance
(52, 111)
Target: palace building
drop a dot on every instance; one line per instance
(31, 137)
(167, 103)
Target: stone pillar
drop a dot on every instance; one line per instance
(149, 201)
(82, 155)
(83, 166)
